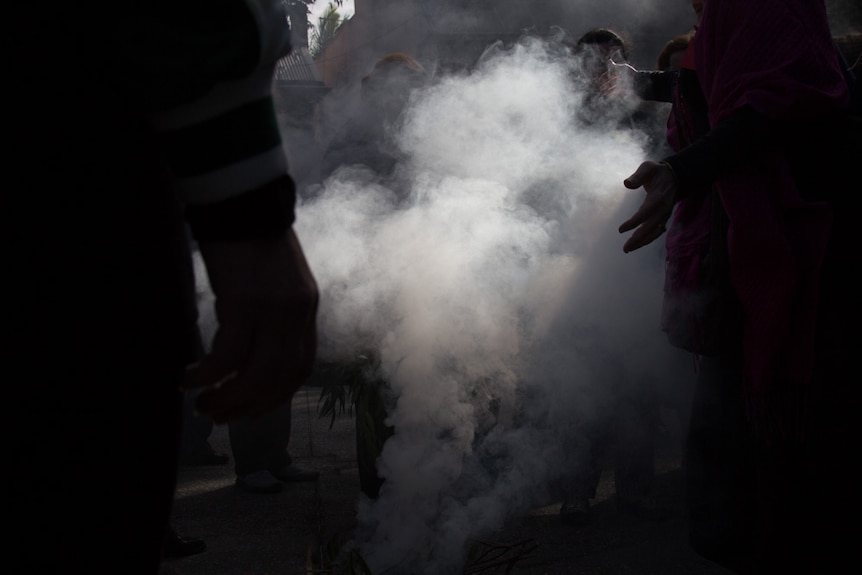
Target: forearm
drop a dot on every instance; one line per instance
(655, 86)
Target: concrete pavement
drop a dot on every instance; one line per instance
(286, 533)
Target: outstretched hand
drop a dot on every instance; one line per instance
(266, 342)
(660, 186)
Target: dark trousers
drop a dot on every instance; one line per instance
(720, 471)
(762, 505)
(261, 444)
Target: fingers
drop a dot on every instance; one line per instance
(278, 364)
(637, 219)
(229, 349)
(641, 176)
(644, 235)
(648, 222)
(222, 403)
(650, 226)
(250, 394)
(608, 83)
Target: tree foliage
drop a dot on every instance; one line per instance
(327, 27)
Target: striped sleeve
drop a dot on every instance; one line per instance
(225, 142)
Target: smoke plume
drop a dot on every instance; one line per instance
(487, 275)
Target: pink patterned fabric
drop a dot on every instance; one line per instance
(775, 56)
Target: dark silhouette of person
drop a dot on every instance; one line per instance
(771, 422)
(151, 118)
(626, 434)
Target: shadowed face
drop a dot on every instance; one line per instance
(597, 58)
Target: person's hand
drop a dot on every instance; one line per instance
(266, 342)
(608, 83)
(660, 186)
(618, 75)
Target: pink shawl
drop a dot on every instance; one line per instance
(777, 57)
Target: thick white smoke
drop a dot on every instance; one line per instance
(488, 276)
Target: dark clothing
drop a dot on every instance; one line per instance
(757, 506)
(625, 442)
(98, 325)
(98, 315)
(720, 472)
(617, 430)
(624, 436)
(771, 429)
(261, 444)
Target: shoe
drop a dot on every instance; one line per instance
(176, 547)
(291, 474)
(575, 513)
(259, 482)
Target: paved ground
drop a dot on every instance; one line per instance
(287, 533)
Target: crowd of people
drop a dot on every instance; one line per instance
(131, 143)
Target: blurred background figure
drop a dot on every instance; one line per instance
(366, 137)
(603, 57)
(671, 55)
(625, 435)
